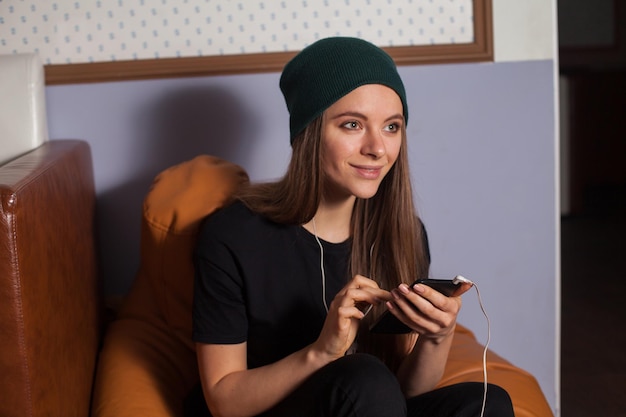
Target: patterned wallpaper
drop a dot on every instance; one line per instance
(73, 31)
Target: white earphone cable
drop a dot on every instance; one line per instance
(321, 266)
(480, 302)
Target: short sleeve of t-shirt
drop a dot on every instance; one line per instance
(219, 314)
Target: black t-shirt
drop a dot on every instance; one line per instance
(260, 282)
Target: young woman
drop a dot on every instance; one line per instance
(286, 275)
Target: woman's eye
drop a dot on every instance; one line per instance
(393, 127)
(351, 125)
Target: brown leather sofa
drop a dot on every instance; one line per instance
(147, 362)
(49, 297)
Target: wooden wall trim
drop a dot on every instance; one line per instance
(479, 50)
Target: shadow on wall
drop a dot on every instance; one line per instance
(180, 125)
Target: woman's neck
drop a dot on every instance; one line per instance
(332, 221)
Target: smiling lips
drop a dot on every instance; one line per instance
(368, 172)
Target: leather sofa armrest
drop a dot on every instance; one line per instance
(49, 293)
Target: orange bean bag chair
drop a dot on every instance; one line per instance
(148, 365)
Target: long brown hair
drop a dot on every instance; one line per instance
(387, 239)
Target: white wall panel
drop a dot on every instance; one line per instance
(524, 30)
(69, 31)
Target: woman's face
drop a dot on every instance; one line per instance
(361, 138)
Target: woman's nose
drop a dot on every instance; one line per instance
(373, 145)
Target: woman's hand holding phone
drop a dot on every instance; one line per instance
(428, 307)
(425, 310)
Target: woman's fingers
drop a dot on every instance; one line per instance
(424, 309)
(362, 292)
(362, 298)
(348, 307)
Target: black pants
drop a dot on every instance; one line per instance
(362, 386)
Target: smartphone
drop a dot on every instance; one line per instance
(388, 323)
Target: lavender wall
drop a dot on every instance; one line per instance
(482, 146)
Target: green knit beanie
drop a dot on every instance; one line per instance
(327, 70)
